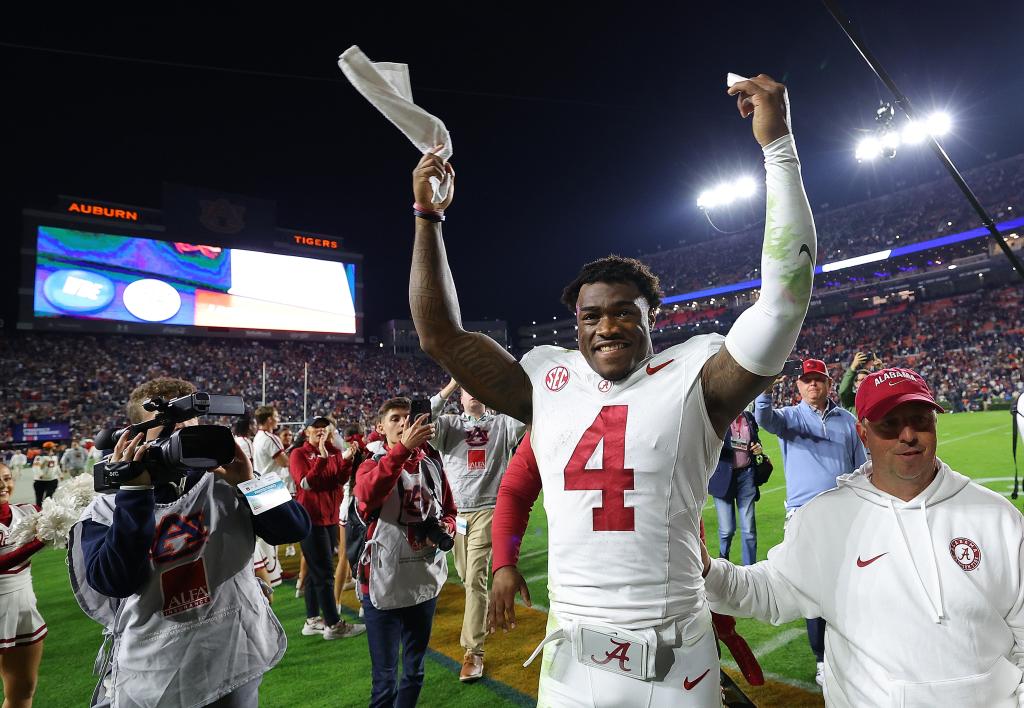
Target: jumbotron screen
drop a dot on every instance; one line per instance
(99, 276)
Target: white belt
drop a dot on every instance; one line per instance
(626, 652)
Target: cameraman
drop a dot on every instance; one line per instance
(168, 569)
(402, 496)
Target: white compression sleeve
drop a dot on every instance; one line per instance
(763, 336)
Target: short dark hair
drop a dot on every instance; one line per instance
(165, 387)
(615, 269)
(392, 404)
(241, 426)
(860, 372)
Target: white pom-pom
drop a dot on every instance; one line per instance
(60, 512)
(55, 522)
(23, 530)
(77, 492)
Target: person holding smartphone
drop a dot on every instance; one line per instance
(403, 499)
(734, 487)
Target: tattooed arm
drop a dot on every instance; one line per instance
(475, 360)
(763, 336)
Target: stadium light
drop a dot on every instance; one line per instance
(914, 133)
(868, 149)
(726, 193)
(886, 138)
(938, 124)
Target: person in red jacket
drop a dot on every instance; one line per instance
(320, 471)
(23, 630)
(403, 497)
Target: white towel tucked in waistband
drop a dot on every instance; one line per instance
(386, 85)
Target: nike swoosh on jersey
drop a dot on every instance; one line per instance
(688, 684)
(869, 561)
(804, 248)
(652, 370)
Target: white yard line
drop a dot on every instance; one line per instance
(795, 683)
(778, 641)
(974, 434)
(531, 554)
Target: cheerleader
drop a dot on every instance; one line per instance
(23, 628)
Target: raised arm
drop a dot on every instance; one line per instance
(475, 360)
(438, 400)
(763, 336)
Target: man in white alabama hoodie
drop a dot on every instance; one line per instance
(916, 569)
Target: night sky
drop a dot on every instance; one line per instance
(577, 132)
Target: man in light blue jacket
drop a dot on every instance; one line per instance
(819, 442)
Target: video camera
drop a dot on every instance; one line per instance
(431, 529)
(174, 452)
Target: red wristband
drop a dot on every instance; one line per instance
(427, 210)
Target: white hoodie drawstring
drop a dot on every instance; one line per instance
(936, 611)
(935, 561)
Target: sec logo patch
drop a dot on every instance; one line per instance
(557, 378)
(965, 552)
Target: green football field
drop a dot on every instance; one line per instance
(318, 673)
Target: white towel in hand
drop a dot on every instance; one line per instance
(386, 85)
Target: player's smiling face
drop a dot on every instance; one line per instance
(614, 323)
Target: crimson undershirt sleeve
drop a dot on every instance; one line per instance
(520, 487)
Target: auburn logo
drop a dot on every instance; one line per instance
(178, 536)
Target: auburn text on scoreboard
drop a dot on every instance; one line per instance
(103, 211)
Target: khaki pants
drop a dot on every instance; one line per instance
(472, 559)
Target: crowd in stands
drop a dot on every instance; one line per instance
(86, 379)
(896, 219)
(968, 347)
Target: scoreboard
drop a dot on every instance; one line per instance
(97, 269)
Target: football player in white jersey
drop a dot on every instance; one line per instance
(625, 441)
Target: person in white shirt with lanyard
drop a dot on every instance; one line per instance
(476, 447)
(270, 455)
(625, 440)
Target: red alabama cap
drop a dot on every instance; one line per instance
(815, 366)
(883, 390)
